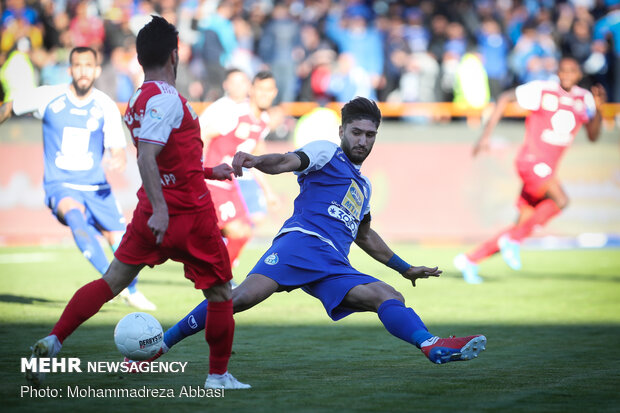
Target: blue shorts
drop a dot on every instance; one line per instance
(298, 260)
(102, 210)
(253, 195)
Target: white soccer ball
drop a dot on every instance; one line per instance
(138, 336)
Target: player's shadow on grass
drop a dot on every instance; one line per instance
(19, 299)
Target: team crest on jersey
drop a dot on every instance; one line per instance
(272, 259)
(154, 113)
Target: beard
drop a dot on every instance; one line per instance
(357, 157)
(82, 90)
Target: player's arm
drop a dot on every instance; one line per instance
(151, 181)
(502, 103)
(118, 159)
(593, 126)
(272, 163)
(372, 244)
(6, 111)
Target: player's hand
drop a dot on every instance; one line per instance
(481, 146)
(415, 273)
(599, 93)
(222, 172)
(158, 224)
(242, 160)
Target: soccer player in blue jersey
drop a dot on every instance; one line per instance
(79, 124)
(311, 249)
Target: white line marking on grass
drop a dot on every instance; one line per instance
(27, 257)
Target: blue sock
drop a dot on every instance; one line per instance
(403, 322)
(86, 240)
(132, 286)
(189, 325)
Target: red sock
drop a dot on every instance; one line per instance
(543, 212)
(219, 332)
(84, 304)
(485, 250)
(234, 246)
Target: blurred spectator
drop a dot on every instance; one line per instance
(471, 86)
(86, 27)
(493, 48)
(20, 21)
(606, 33)
(215, 46)
(116, 79)
(280, 48)
(361, 44)
(17, 74)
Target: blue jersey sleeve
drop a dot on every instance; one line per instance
(319, 153)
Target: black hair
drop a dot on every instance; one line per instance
(360, 108)
(80, 50)
(155, 41)
(263, 75)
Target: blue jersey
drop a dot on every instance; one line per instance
(75, 134)
(333, 199)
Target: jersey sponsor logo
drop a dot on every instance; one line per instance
(549, 102)
(562, 124)
(167, 179)
(74, 154)
(227, 211)
(542, 170)
(272, 259)
(343, 215)
(353, 200)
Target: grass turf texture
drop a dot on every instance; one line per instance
(553, 334)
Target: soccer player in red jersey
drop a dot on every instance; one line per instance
(174, 218)
(231, 124)
(557, 111)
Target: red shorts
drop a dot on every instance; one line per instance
(536, 176)
(192, 239)
(228, 202)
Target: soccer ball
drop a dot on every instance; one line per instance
(138, 336)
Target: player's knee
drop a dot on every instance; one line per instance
(385, 292)
(218, 292)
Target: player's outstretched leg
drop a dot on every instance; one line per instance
(511, 252)
(468, 268)
(46, 347)
(85, 303)
(404, 323)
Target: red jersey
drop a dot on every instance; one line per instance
(158, 114)
(555, 118)
(238, 130)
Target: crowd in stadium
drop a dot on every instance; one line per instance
(321, 50)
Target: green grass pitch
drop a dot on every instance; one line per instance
(553, 334)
